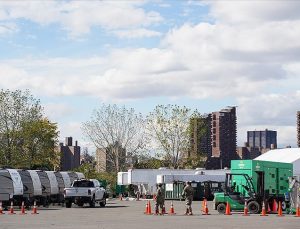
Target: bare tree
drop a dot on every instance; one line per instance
(118, 131)
(169, 128)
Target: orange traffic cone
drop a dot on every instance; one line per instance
(203, 205)
(121, 197)
(227, 211)
(245, 209)
(1, 210)
(154, 197)
(205, 209)
(297, 211)
(263, 210)
(274, 206)
(279, 209)
(34, 210)
(172, 211)
(147, 208)
(11, 211)
(23, 209)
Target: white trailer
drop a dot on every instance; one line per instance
(146, 179)
(122, 178)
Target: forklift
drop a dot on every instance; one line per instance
(239, 189)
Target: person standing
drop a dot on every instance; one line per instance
(188, 193)
(160, 199)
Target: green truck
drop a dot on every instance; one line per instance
(254, 182)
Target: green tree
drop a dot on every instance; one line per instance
(27, 139)
(169, 129)
(39, 138)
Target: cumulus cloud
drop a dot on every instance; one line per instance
(251, 52)
(78, 17)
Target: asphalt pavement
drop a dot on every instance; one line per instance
(130, 215)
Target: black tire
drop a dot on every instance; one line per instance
(221, 208)
(80, 204)
(253, 207)
(103, 203)
(68, 204)
(93, 202)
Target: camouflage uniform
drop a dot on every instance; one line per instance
(160, 199)
(188, 193)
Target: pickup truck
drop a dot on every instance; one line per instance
(85, 191)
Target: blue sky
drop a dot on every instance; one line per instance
(206, 55)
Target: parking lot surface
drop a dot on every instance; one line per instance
(130, 215)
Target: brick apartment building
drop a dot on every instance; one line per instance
(70, 155)
(219, 143)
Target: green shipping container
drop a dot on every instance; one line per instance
(272, 176)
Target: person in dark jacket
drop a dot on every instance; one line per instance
(160, 199)
(188, 193)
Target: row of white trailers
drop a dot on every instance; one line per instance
(44, 187)
(145, 180)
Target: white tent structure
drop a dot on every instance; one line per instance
(287, 155)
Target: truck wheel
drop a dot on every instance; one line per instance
(221, 208)
(68, 204)
(253, 207)
(103, 203)
(80, 204)
(92, 202)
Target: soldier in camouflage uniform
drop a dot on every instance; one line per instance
(160, 199)
(188, 193)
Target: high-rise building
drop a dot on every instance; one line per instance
(223, 136)
(200, 136)
(298, 129)
(70, 155)
(266, 139)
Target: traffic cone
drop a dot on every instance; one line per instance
(279, 209)
(172, 211)
(205, 209)
(1, 210)
(34, 210)
(154, 197)
(11, 211)
(263, 210)
(297, 211)
(246, 210)
(203, 205)
(274, 206)
(120, 197)
(227, 211)
(147, 208)
(23, 209)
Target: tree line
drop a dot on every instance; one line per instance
(159, 139)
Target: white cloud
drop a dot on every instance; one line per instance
(137, 33)
(57, 111)
(78, 17)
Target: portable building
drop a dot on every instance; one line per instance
(66, 179)
(286, 155)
